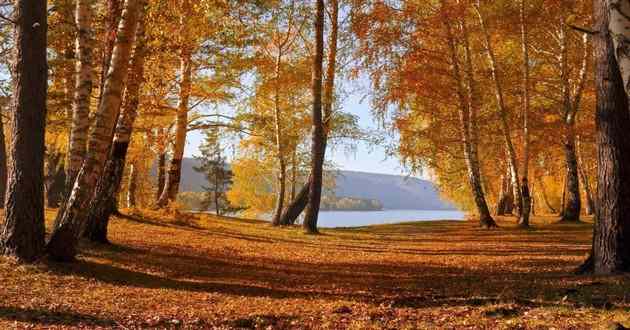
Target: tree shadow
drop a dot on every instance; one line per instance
(52, 318)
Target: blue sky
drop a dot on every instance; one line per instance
(365, 158)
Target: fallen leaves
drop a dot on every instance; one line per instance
(230, 274)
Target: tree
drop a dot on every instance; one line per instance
(72, 216)
(103, 204)
(300, 200)
(217, 173)
(22, 234)
(611, 248)
(174, 167)
(318, 146)
(83, 91)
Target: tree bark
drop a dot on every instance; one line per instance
(523, 220)
(160, 175)
(281, 189)
(114, 11)
(132, 190)
(611, 247)
(584, 177)
(505, 202)
(83, 91)
(54, 178)
(103, 204)
(318, 136)
(72, 217)
(572, 203)
(3, 163)
(174, 172)
(22, 234)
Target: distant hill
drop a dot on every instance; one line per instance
(393, 191)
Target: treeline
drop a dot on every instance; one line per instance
(337, 203)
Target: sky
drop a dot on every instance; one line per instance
(366, 158)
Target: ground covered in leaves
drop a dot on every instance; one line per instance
(202, 272)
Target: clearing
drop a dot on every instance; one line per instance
(208, 272)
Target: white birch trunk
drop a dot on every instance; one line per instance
(71, 218)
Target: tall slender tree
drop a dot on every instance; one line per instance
(72, 216)
(103, 204)
(174, 167)
(83, 91)
(318, 136)
(300, 200)
(22, 234)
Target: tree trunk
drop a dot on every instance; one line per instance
(505, 202)
(71, 218)
(590, 204)
(294, 171)
(161, 167)
(523, 220)
(318, 136)
(132, 190)
(174, 172)
(611, 247)
(114, 10)
(281, 189)
(467, 108)
(572, 203)
(22, 234)
(503, 114)
(103, 204)
(300, 201)
(3, 163)
(54, 178)
(83, 91)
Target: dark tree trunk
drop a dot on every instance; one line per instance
(3, 164)
(23, 230)
(318, 136)
(523, 220)
(54, 179)
(611, 246)
(292, 212)
(572, 203)
(160, 175)
(505, 203)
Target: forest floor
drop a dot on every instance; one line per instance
(198, 272)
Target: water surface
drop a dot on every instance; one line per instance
(331, 219)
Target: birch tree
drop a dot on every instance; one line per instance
(83, 91)
(103, 205)
(174, 166)
(72, 216)
(502, 110)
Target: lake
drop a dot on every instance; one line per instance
(331, 219)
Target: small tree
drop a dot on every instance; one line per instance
(218, 175)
